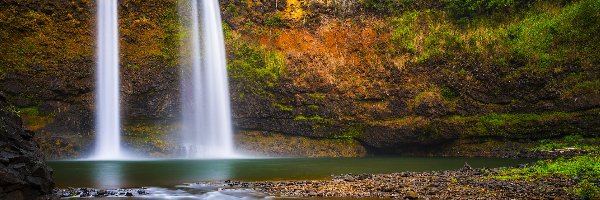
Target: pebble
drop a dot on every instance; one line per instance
(466, 183)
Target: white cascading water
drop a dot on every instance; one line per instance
(207, 131)
(108, 124)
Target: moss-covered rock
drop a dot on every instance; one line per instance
(405, 73)
(270, 144)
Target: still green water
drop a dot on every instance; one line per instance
(168, 173)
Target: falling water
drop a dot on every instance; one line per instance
(108, 144)
(207, 131)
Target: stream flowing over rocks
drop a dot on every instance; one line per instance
(23, 172)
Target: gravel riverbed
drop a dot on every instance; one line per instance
(466, 183)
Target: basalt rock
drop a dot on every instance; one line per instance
(23, 172)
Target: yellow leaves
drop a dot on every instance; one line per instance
(341, 54)
(141, 33)
(412, 121)
(35, 123)
(252, 3)
(293, 10)
(143, 21)
(295, 40)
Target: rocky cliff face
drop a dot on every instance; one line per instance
(392, 76)
(407, 76)
(23, 172)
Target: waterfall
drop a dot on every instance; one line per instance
(207, 131)
(108, 127)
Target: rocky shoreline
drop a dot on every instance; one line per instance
(466, 183)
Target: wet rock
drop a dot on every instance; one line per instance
(466, 168)
(467, 183)
(101, 193)
(411, 195)
(141, 191)
(24, 174)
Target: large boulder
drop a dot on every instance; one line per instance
(23, 172)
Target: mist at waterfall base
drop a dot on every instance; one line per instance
(206, 131)
(108, 124)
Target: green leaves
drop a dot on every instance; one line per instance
(470, 8)
(256, 67)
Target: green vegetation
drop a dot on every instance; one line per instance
(448, 93)
(512, 125)
(388, 6)
(173, 37)
(540, 40)
(403, 34)
(470, 8)
(314, 118)
(254, 66)
(283, 107)
(30, 111)
(496, 120)
(585, 168)
(570, 141)
(536, 38)
(148, 136)
(587, 190)
(464, 68)
(317, 96)
(275, 21)
(13, 109)
(352, 132)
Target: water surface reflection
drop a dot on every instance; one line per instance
(106, 174)
(170, 173)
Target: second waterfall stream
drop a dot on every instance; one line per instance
(207, 130)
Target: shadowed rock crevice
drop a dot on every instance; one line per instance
(23, 172)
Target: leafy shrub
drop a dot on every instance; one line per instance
(583, 167)
(404, 32)
(587, 190)
(570, 141)
(470, 8)
(275, 21)
(255, 66)
(388, 6)
(31, 111)
(547, 39)
(448, 93)
(283, 107)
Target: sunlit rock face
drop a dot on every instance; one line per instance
(384, 75)
(23, 172)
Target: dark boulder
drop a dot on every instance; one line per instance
(23, 172)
